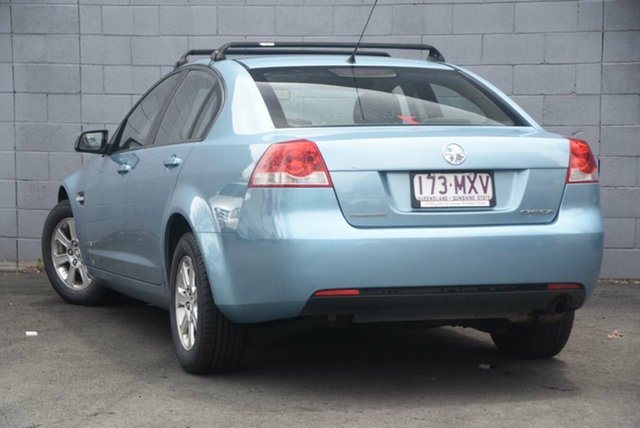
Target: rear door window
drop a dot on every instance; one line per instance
(362, 96)
(192, 108)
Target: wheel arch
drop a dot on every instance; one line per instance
(62, 194)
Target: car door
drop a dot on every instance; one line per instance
(184, 122)
(103, 213)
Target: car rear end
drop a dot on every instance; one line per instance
(409, 192)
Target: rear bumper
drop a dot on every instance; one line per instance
(273, 264)
(448, 303)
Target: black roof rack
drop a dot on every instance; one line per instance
(323, 48)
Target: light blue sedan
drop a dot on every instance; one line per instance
(288, 181)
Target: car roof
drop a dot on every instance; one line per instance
(270, 61)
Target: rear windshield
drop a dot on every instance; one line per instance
(366, 96)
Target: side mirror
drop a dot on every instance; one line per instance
(93, 142)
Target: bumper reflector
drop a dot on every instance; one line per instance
(339, 292)
(563, 286)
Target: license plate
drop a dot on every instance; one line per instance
(452, 189)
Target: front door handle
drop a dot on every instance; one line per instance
(172, 162)
(124, 168)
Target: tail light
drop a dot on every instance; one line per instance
(583, 167)
(295, 163)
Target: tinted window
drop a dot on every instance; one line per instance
(135, 132)
(191, 109)
(348, 96)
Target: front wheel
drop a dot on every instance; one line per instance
(204, 339)
(537, 340)
(63, 260)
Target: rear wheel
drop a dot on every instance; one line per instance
(538, 340)
(63, 260)
(204, 339)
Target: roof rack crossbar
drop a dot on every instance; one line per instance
(236, 48)
(184, 58)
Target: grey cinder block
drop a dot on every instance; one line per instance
(7, 225)
(513, 49)
(621, 140)
(183, 21)
(618, 171)
(7, 194)
(6, 78)
(32, 165)
(146, 21)
(619, 263)
(621, 15)
(304, 21)
(44, 19)
(349, 20)
(29, 251)
(623, 46)
(31, 107)
(252, 20)
(63, 108)
(46, 137)
(620, 109)
(571, 48)
(105, 108)
(6, 107)
(5, 48)
(47, 78)
(536, 17)
(117, 20)
(7, 166)
(423, 19)
(101, 50)
(621, 78)
(8, 253)
(544, 79)
(620, 202)
(50, 48)
(620, 232)
(483, 18)
(31, 222)
(92, 79)
(158, 50)
(588, 78)
(571, 109)
(37, 194)
(90, 19)
(7, 136)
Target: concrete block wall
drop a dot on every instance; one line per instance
(68, 65)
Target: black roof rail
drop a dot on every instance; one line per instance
(237, 48)
(183, 59)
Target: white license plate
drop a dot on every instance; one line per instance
(452, 189)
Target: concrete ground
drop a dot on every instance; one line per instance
(114, 366)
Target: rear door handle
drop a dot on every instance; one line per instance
(172, 162)
(124, 168)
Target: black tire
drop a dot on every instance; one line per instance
(91, 292)
(218, 343)
(538, 340)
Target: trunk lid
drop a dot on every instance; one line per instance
(371, 169)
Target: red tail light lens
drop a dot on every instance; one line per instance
(295, 163)
(582, 164)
